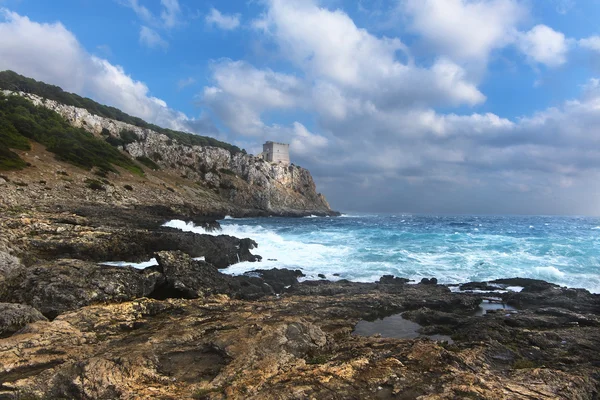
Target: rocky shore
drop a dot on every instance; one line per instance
(71, 328)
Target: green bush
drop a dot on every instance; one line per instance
(10, 80)
(21, 120)
(10, 160)
(94, 184)
(148, 163)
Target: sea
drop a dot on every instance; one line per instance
(453, 249)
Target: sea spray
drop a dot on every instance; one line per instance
(454, 249)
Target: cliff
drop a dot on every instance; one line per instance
(214, 179)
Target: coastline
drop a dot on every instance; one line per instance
(183, 329)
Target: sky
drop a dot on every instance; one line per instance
(415, 106)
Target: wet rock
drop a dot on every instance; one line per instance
(392, 280)
(484, 286)
(577, 300)
(13, 317)
(139, 245)
(187, 278)
(432, 281)
(70, 284)
(278, 279)
(529, 285)
(322, 276)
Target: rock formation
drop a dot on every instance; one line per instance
(248, 183)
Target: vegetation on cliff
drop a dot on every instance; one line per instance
(10, 80)
(21, 121)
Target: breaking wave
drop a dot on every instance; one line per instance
(453, 249)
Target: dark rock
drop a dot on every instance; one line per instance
(278, 279)
(70, 284)
(139, 245)
(250, 287)
(477, 286)
(529, 285)
(577, 300)
(392, 280)
(432, 281)
(13, 317)
(322, 276)
(187, 278)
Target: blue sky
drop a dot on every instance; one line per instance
(467, 106)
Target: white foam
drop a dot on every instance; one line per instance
(516, 289)
(311, 216)
(150, 263)
(549, 272)
(228, 217)
(362, 254)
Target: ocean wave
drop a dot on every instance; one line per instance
(366, 248)
(549, 271)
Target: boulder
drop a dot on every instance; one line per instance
(13, 317)
(188, 278)
(70, 284)
(392, 280)
(278, 279)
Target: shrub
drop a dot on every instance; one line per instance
(94, 184)
(148, 163)
(10, 160)
(69, 144)
(10, 80)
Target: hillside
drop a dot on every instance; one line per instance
(80, 155)
(14, 82)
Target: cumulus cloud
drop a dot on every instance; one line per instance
(223, 21)
(544, 45)
(379, 141)
(150, 38)
(466, 30)
(51, 53)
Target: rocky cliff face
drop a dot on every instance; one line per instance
(241, 179)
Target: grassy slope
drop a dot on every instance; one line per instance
(21, 121)
(10, 80)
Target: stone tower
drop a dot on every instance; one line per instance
(276, 152)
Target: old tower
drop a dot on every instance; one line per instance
(276, 152)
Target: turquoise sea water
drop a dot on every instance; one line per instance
(455, 249)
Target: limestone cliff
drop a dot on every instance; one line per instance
(242, 180)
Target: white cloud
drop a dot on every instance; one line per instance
(327, 45)
(183, 83)
(590, 43)
(142, 12)
(150, 38)
(51, 53)
(171, 13)
(466, 30)
(223, 21)
(376, 125)
(544, 45)
(304, 142)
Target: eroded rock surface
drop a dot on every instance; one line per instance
(296, 347)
